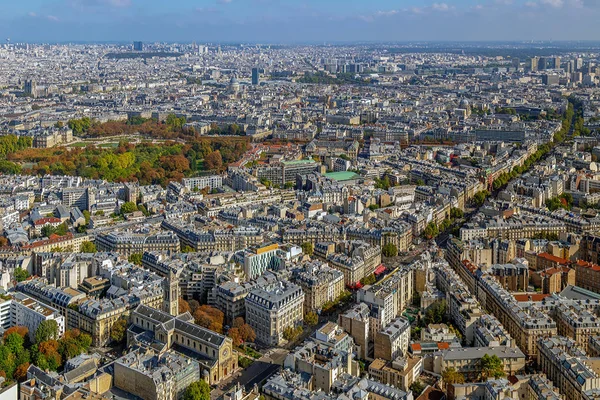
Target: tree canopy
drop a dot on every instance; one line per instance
(197, 391)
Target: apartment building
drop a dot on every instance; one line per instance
(567, 366)
(356, 322)
(392, 341)
(271, 309)
(320, 284)
(25, 311)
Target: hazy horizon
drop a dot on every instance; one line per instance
(309, 21)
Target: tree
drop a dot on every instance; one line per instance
(235, 335)
(238, 322)
(417, 388)
(431, 230)
(14, 342)
(436, 313)
(46, 330)
(197, 391)
(214, 160)
(311, 318)
(88, 247)
(21, 372)
(128, 207)
(479, 197)
(368, 280)
(20, 274)
(248, 334)
(389, 250)
(456, 213)
(23, 331)
(210, 318)
(450, 376)
(491, 367)
(48, 230)
(308, 248)
(184, 306)
(118, 330)
(135, 258)
(62, 229)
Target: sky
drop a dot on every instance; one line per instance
(297, 21)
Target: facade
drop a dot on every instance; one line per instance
(392, 341)
(320, 284)
(356, 322)
(126, 243)
(272, 309)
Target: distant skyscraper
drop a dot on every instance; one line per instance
(255, 76)
(138, 46)
(578, 64)
(542, 63)
(556, 62)
(534, 63)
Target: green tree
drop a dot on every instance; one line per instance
(431, 230)
(491, 367)
(48, 230)
(436, 313)
(197, 391)
(20, 274)
(46, 330)
(311, 318)
(368, 280)
(62, 229)
(118, 330)
(417, 388)
(135, 258)
(14, 342)
(187, 249)
(450, 376)
(308, 248)
(389, 250)
(88, 247)
(456, 213)
(128, 207)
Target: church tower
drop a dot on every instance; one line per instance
(171, 294)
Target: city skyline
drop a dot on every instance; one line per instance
(310, 21)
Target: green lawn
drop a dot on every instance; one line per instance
(109, 145)
(78, 144)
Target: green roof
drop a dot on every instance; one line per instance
(342, 176)
(296, 162)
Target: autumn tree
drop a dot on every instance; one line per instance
(184, 306)
(238, 322)
(247, 333)
(450, 376)
(21, 372)
(210, 317)
(88, 247)
(20, 330)
(235, 335)
(214, 160)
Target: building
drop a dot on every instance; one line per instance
(214, 352)
(356, 322)
(25, 311)
(255, 76)
(400, 373)
(212, 182)
(565, 364)
(257, 260)
(320, 284)
(138, 46)
(128, 243)
(467, 360)
(272, 309)
(587, 275)
(392, 341)
(154, 375)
